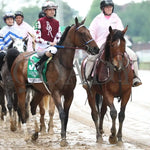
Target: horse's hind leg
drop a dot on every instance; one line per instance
(113, 114)
(102, 114)
(94, 114)
(2, 103)
(35, 101)
(51, 114)
(42, 114)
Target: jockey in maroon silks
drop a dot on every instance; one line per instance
(47, 33)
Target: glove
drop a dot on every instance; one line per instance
(48, 43)
(52, 50)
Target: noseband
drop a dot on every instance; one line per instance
(88, 48)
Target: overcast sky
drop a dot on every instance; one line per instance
(83, 6)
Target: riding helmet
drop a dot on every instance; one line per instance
(49, 5)
(19, 13)
(8, 15)
(104, 3)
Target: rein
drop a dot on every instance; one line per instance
(63, 47)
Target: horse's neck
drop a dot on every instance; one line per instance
(66, 55)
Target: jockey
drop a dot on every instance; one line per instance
(25, 29)
(99, 29)
(6, 34)
(47, 33)
(9, 31)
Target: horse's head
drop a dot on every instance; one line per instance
(20, 44)
(115, 47)
(82, 38)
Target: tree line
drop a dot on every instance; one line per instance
(135, 15)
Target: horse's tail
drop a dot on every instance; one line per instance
(12, 53)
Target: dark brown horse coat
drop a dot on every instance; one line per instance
(115, 63)
(61, 79)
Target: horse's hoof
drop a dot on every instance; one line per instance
(13, 128)
(51, 131)
(63, 143)
(27, 138)
(34, 136)
(119, 143)
(99, 140)
(112, 139)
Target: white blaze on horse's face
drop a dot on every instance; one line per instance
(18, 44)
(118, 43)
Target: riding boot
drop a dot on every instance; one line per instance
(39, 64)
(136, 79)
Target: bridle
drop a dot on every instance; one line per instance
(87, 47)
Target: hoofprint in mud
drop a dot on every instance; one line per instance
(81, 130)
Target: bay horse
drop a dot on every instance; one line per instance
(61, 78)
(113, 66)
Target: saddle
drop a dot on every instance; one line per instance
(100, 71)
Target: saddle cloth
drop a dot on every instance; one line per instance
(32, 73)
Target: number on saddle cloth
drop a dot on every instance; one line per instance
(32, 73)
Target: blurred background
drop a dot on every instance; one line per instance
(135, 14)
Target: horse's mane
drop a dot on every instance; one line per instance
(117, 34)
(12, 53)
(64, 35)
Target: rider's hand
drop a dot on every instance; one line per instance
(51, 43)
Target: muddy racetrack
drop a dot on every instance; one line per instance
(81, 130)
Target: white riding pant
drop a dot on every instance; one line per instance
(92, 58)
(42, 48)
(133, 57)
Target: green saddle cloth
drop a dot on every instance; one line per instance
(32, 73)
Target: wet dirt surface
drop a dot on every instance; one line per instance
(81, 130)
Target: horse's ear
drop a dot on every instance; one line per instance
(125, 30)
(83, 21)
(76, 21)
(110, 29)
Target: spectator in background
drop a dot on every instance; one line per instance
(25, 29)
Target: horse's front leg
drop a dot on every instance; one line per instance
(121, 116)
(113, 114)
(63, 114)
(10, 106)
(21, 94)
(2, 103)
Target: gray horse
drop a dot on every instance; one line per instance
(7, 86)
